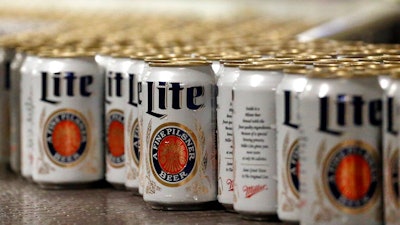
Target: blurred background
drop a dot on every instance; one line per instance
(371, 21)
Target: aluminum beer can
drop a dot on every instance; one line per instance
(228, 74)
(67, 89)
(287, 104)
(133, 133)
(179, 135)
(6, 56)
(254, 128)
(340, 152)
(390, 154)
(15, 78)
(26, 106)
(116, 76)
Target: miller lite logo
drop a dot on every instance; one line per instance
(293, 167)
(134, 136)
(115, 138)
(351, 176)
(345, 105)
(193, 97)
(60, 84)
(173, 154)
(66, 137)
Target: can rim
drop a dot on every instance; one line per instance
(275, 67)
(173, 63)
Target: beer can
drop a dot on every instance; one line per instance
(228, 75)
(26, 106)
(67, 89)
(6, 55)
(254, 129)
(14, 106)
(133, 134)
(287, 125)
(116, 78)
(390, 154)
(340, 152)
(179, 135)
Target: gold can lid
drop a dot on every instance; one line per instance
(235, 64)
(268, 62)
(390, 62)
(276, 67)
(325, 73)
(296, 70)
(63, 53)
(340, 73)
(390, 57)
(395, 74)
(304, 61)
(157, 57)
(174, 63)
(326, 64)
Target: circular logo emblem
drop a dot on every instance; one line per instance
(394, 176)
(66, 137)
(293, 168)
(173, 154)
(351, 176)
(115, 138)
(134, 136)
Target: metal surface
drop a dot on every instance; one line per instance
(22, 202)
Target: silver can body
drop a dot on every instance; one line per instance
(287, 104)
(179, 136)
(142, 109)
(254, 128)
(15, 125)
(67, 122)
(116, 76)
(133, 133)
(390, 154)
(340, 153)
(26, 106)
(225, 135)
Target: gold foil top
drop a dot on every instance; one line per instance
(173, 63)
(277, 67)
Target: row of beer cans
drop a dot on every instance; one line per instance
(286, 128)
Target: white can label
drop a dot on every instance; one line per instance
(255, 152)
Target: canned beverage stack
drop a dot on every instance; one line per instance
(254, 128)
(287, 125)
(340, 152)
(165, 105)
(67, 91)
(179, 135)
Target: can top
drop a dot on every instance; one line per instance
(296, 71)
(174, 63)
(276, 67)
(64, 53)
(395, 74)
(329, 73)
(235, 64)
